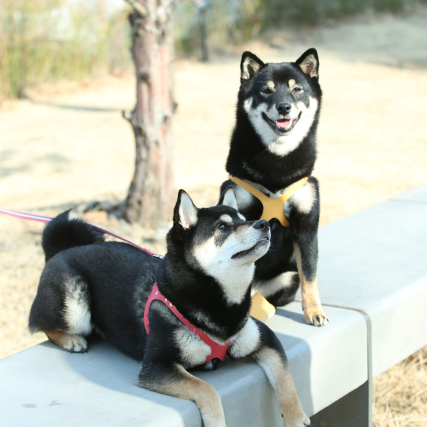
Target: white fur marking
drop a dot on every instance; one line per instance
(233, 274)
(282, 145)
(270, 287)
(246, 341)
(285, 144)
(247, 104)
(304, 198)
(226, 218)
(193, 350)
(76, 311)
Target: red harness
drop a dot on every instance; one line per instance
(217, 350)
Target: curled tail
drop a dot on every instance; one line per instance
(64, 233)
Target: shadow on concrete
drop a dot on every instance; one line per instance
(298, 318)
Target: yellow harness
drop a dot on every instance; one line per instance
(261, 309)
(272, 208)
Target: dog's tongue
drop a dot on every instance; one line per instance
(284, 124)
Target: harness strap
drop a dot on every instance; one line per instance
(217, 350)
(272, 208)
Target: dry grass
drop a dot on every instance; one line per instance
(400, 394)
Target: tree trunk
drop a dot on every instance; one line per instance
(150, 195)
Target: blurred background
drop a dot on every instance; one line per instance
(66, 74)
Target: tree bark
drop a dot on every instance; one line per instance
(150, 195)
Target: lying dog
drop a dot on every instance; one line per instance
(271, 159)
(88, 284)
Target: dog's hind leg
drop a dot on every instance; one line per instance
(72, 343)
(61, 310)
(172, 379)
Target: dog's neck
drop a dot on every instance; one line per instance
(200, 298)
(250, 160)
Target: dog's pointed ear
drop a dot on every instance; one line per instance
(309, 63)
(228, 198)
(185, 212)
(249, 65)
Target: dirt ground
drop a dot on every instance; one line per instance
(68, 144)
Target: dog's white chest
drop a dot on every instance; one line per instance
(193, 350)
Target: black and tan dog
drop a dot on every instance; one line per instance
(271, 159)
(89, 284)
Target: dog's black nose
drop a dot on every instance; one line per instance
(284, 108)
(261, 225)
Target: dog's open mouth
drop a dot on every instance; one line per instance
(282, 126)
(264, 241)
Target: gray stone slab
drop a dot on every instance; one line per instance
(46, 386)
(376, 261)
(418, 194)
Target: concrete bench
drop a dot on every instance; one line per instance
(375, 262)
(373, 283)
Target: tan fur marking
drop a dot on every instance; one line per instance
(73, 343)
(291, 83)
(271, 85)
(186, 386)
(226, 218)
(313, 313)
(281, 379)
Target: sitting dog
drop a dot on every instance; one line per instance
(271, 159)
(184, 311)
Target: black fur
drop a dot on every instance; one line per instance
(63, 234)
(275, 173)
(249, 159)
(117, 279)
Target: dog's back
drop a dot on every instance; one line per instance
(83, 278)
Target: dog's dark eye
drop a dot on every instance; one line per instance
(222, 226)
(296, 89)
(267, 91)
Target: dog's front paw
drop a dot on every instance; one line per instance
(301, 421)
(75, 344)
(316, 316)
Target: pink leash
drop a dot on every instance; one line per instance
(217, 350)
(39, 218)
